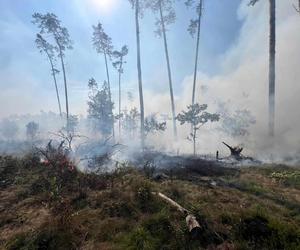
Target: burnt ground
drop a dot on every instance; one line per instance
(185, 164)
(55, 207)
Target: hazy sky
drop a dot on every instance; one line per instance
(25, 78)
(233, 64)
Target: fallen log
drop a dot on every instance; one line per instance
(191, 221)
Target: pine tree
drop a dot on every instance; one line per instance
(167, 16)
(118, 64)
(48, 49)
(272, 66)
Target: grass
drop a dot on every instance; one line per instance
(45, 207)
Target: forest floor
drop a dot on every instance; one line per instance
(57, 207)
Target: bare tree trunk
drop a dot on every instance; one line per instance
(194, 140)
(120, 98)
(55, 83)
(107, 75)
(109, 90)
(169, 71)
(297, 8)
(197, 51)
(66, 87)
(139, 68)
(272, 54)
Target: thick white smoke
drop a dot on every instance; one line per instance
(244, 83)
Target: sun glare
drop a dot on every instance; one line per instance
(104, 5)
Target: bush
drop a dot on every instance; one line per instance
(47, 239)
(262, 232)
(288, 178)
(160, 228)
(143, 196)
(140, 239)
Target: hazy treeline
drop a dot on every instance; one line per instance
(104, 114)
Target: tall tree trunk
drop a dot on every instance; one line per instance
(120, 73)
(139, 68)
(66, 87)
(194, 140)
(272, 53)
(169, 70)
(55, 83)
(109, 90)
(107, 75)
(197, 51)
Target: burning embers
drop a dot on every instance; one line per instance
(56, 157)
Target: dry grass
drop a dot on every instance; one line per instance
(42, 208)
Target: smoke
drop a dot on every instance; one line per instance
(243, 84)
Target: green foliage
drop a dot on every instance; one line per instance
(166, 13)
(101, 41)
(144, 196)
(197, 117)
(253, 187)
(48, 238)
(155, 232)
(130, 121)
(160, 228)
(289, 178)
(9, 167)
(152, 125)
(257, 230)
(119, 56)
(50, 24)
(194, 22)
(100, 108)
(140, 239)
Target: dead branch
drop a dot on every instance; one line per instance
(191, 221)
(55, 156)
(235, 151)
(68, 137)
(173, 203)
(297, 9)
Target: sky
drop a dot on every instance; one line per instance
(233, 64)
(25, 74)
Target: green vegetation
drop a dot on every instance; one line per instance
(57, 207)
